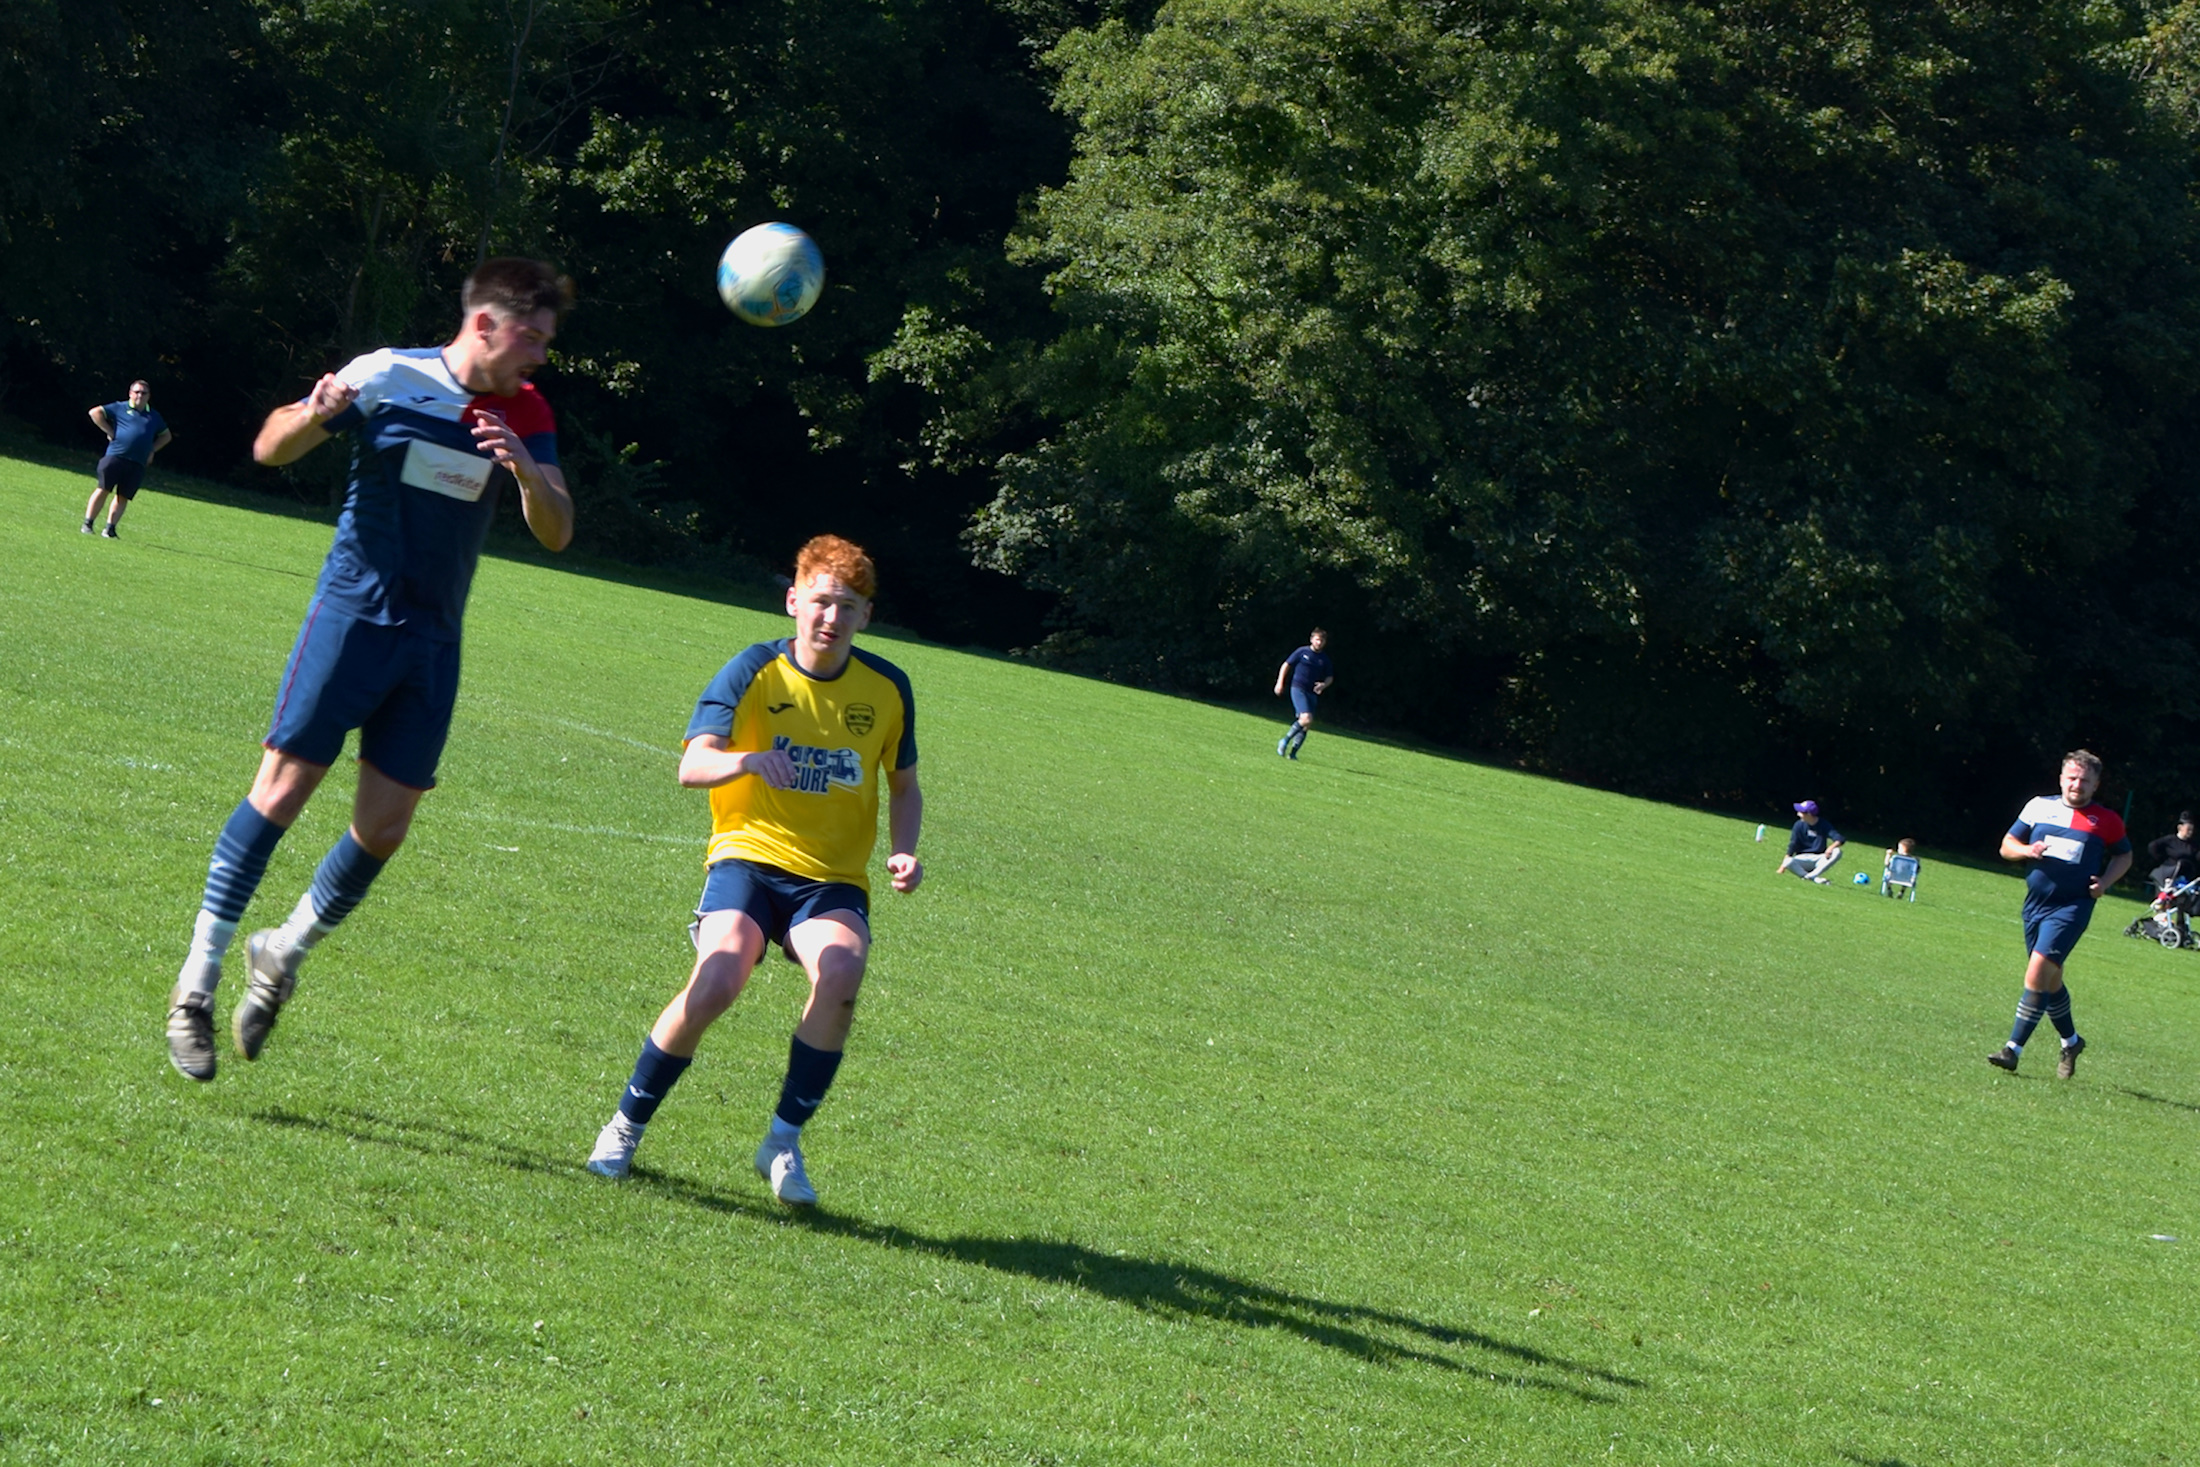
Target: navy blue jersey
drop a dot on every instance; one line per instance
(1811, 840)
(135, 432)
(1308, 667)
(422, 494)
(2080, 844)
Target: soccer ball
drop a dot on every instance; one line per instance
(1863, 878)
(771, 274)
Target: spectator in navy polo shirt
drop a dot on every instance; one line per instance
(134, 434)
(1813, 845)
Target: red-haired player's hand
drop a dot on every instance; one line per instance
(906, 871)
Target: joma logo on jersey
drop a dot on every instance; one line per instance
(817, 770)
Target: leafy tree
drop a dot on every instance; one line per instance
(1673, 394)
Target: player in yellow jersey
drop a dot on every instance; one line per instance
(790, 739)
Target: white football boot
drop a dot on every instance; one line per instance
(780, 1164)
(615, 1143)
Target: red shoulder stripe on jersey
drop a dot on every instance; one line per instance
(527, 410)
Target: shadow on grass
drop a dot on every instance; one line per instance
(1874, 1461)
(2157, 1099)
(273, 570)
(426, 1138)
(1187, 1291)
(1151, 1285)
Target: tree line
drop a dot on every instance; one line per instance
(1720, 402)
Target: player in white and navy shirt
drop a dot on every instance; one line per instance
(437, 434)
(2078, 850)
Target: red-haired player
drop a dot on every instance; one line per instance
(790, 738)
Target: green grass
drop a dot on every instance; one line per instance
(1203, 1107)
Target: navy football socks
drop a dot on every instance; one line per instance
(2058, 1012)
(2030, 1005)
(809, 1075)
(342, 880)
(241, 853)
(655, 1073)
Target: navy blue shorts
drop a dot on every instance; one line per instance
(1304, 699)
(394, 685)
(122, 475)
(777, 901)
(2054, 931)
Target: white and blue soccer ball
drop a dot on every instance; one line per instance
(771, 274)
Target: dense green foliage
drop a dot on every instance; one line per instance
(1715, 400)
(1154, 1145)
(1657, 389)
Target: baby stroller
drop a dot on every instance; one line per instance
(2167, 920)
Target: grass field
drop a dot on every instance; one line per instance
(1203, 1107)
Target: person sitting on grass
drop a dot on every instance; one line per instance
(1813, 846)
(1891, 884)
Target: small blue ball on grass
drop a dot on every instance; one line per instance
(1863, 878)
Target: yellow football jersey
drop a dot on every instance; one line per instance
(840, 732)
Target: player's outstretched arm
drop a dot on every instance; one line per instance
(297, 428)
(904, 823)
(707, 763)
(543, 498)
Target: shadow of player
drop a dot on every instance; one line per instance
(1157, 1286)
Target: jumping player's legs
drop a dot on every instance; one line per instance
(397, 689)
(279, 793)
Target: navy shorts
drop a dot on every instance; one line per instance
(1304, 699)
(2054, 931)
(122, 475)
(777, 901)
(394, 685)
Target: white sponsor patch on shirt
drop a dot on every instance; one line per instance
(448, 471)
(2063, 848)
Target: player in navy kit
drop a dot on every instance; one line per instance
(2078, 851)
(1309, 673)
(436, 434)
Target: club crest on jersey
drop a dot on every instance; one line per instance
(817, 770)
(860, 717)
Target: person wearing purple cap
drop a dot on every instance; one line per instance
(1813, 845)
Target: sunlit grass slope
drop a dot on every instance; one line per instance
(1203, 1107)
